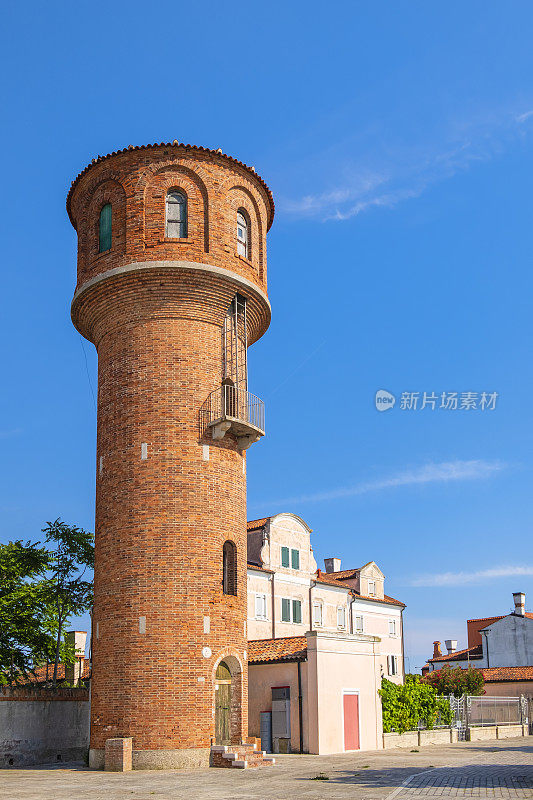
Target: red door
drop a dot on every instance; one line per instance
(351, 721)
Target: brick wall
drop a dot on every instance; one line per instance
(161, 521)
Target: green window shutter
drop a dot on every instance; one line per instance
(296, 610)
(284, 556)
(285, 610)
(104, 229)
(295, 555)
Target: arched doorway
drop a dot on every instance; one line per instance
(223, 704)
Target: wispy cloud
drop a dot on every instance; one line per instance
(525, 116)
(443, 472)
(477, 576)
(403, 173)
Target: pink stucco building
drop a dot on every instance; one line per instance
(319, 643)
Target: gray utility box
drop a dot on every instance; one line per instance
(281, 719)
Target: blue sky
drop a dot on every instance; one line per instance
(398, 142)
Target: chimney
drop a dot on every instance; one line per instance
(437, 652)
(519, 603)
(332, 564)
(74, 672)
(451, 645)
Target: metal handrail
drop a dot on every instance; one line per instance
(230, 402)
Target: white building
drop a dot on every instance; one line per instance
(325, 638)
(502, 647)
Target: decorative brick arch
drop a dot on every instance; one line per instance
(238, 700)
(175, 176)
(111, 191)
(250, 205)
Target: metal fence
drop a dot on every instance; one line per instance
(471, 712)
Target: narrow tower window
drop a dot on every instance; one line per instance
(242, 233)
(229, 568)
(104, 229)
(176, 215)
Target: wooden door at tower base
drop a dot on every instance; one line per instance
(222, 704)
(350, 709)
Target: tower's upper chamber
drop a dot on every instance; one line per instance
(171, 203)
(171, 290)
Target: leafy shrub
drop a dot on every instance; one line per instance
(456, 681)
(404, 707)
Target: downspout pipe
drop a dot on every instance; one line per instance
(352, 601)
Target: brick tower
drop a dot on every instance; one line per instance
(171, 290)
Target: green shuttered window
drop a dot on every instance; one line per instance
(285, 557)
(295, 559)
(285, 610)
(297, 611)
(104, 229)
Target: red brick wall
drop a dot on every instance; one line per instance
(161, 522)
(135, 182)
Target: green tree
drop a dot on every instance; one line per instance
(456, 681)
(405, 706)
(71, 556)
(27, 628)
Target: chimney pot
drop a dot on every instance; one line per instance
(519, 603)
(451, 645)
(437, 652)
(332, 564)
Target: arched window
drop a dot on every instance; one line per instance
(176, 215)
(243, 233)
(104, 229)
(229, 568)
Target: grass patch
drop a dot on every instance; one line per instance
(415, 751)
(320, 777)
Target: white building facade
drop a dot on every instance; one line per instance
(330, 635)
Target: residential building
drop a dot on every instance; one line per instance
(325, 637)
(500, 646)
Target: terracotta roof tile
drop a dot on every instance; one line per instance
(507, 674)
(175, 143)
(41, 673)
(256, 524)
(323, 577)
(490, 620)
(331, 580)
(293, 648)
(461, 655)
(345, 573)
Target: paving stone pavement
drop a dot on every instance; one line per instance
(481, 781)
(434, 771)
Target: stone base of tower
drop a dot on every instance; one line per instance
(193, 758)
